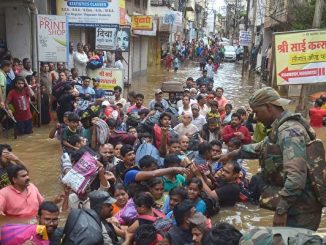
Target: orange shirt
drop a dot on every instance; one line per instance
(20, 204)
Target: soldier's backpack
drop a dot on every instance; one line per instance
(315, 153)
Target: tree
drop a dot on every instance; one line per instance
(318, 13)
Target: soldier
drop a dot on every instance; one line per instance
(286, 186)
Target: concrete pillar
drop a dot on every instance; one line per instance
(18, 31)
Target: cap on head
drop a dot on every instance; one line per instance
(195, 106)
(158, 91)
(267, 95)
(99, 197)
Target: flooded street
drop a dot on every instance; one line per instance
(41, 155)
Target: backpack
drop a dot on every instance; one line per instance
(83, 226)
(160, 222)
(212, 205)
(94, 64)
(315, 153)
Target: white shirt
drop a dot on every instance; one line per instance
(181, 129)
(199, 121)
(181, 110)
(80, 61)
(210, 71)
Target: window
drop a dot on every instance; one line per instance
(145, 4)
(137, 3)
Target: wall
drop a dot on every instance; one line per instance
(2, 25)
(18, 31)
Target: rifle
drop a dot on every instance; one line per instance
(9, 115)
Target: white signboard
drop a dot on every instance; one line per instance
(173, 18)
(91, 13)
(52, 36)
(105, 38)
(244, 38)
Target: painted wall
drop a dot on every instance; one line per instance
(18, 31)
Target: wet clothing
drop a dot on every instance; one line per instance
(20, 101)
(177, 236)
(228, 193)
(284, 168)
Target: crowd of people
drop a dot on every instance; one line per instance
(162, 170)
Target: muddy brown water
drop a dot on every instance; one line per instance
(41, 154)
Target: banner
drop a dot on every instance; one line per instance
(52, 36)
(92, 13)
(106, 38)
(300, 57)
(109, 78)
(142, 22)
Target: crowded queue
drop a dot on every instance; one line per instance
(157, 173)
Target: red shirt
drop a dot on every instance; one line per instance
(20, 101)
(228, 133)
(316, 116)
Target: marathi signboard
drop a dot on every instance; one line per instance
(113, 38)
(52, 36)
(106, 38)
(147, 33)
(142, 22)
(91, 13)
(300, 57)
(244, 38)
(109, 78)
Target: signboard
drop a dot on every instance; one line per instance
(173, 18)
(142, 22)
(122, 9)
(109, 78)
(147, 33)
(244, 38)
(113, 38)
(53, 38)
(300, 57)
(123, 38)
(105, 38)
(91, 13)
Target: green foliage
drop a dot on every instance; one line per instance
(304, 15)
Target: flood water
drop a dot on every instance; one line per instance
(41, 154)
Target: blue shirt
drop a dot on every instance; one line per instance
(99, 93)
(130, 177)
(200, 206)
(86, 90)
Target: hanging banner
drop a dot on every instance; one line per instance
(300, 57)
(142, 22)
(106, 38)
(109, 78)
(92, 13)
(52, 36)
(123, 37)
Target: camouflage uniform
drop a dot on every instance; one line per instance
(284, 171)
(281, 236)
